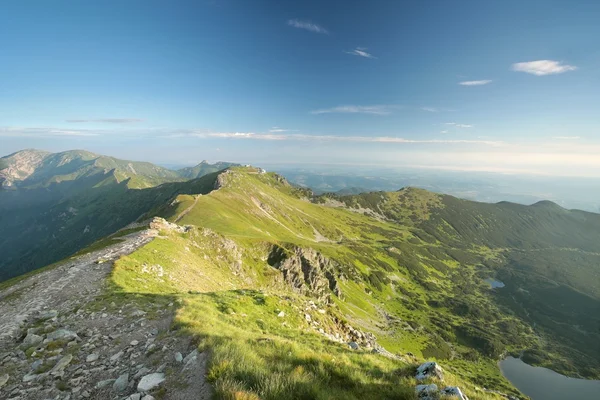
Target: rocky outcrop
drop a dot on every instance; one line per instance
(307, 271)
(429, 370)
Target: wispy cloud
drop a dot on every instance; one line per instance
(475, 83)
(443, 131)
(454, 124)
(566, 137)
(429, 109)
(307, 25)
(329, 138)
(381, 109)
(543, 67)
(277, 129)
(107, 120)
(22, 132)
(361, 52)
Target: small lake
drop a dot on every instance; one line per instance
(494, 283)
(544, 384)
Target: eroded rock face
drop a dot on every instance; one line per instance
(307, 271)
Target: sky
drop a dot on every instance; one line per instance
(502, 86)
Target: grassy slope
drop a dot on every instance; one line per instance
(230, 296)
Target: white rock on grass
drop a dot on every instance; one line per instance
(454, 391)
(429, 369)
(149, 382)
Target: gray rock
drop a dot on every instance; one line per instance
(104, 383)
(121, 383)
(429, 369)
(35, 366)
(427, 392)
(191, 357)
(92, 357)
(116, 356)
(61, 365)
(62, 334)
(149, 382)
(31, 377)
(47, 315)
(135, 396)
(178, 357)
(143, 371)
(148, 397)
(134, 343)
(32, 340)
(3, 379)
(354, 345)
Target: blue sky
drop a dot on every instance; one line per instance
(507, 86)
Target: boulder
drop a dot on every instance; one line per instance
(150, 381)
(429, 369)
(427, 392)
(354, 345)
(454, 391)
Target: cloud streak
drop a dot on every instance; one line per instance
(566, 137)
(543, 67)
(361, 52)
(106, 120)
(329, 138)
(307, 25)
(381, 109)
(475, 83)
(19, 132)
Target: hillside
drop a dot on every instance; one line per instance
(287, 296)
(204, 168)
(53, 204)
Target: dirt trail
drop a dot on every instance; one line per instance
(58, 341)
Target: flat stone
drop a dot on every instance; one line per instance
(92, 357)
(178, 357)
(61, 365)
(104, 383)
(32, 339)
(47, 315)
(134, 343)
(3, 379)
(143, 371)
(191, 357)
(135, 396)
(62, 334)
(148, 397)
(115, 357)
(121, 383)
(149, 382)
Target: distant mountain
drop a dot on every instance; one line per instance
(52, 204)
(204, 168)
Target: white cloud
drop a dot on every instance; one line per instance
(106, 120)
(361, 52)
(309, 26)
(331, 138)
(429, 109)
(450, 123)
(543, 67)
(475, 83)
(463, 126)
(566, 137)
(277, 129)
(443, 131)
(382, 109)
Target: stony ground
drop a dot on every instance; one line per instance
(62, 338)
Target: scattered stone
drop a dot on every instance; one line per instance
(92, 357)
(61, 365)
(121, 383)
(354, 345)
(429, 369)
(281, 314)
(190, 358)
(143, 371)
(178, 357)
(35, 366)
(134, 343)
(135, 396)
(148, 397)
(307, 317)
(149, 382)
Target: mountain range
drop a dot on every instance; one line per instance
(294, 295)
